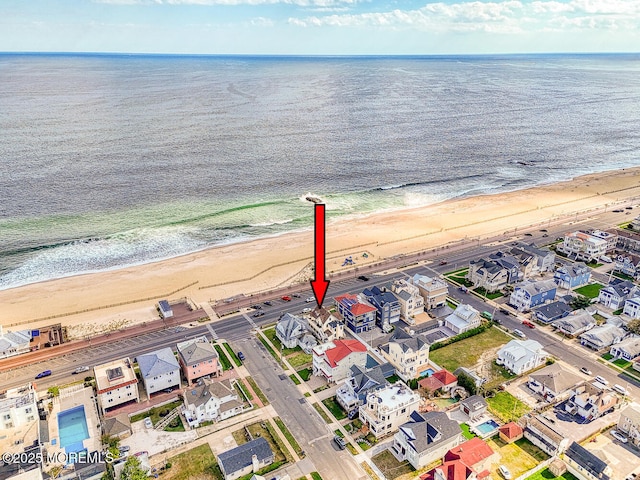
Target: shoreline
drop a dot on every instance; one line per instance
(254, 265)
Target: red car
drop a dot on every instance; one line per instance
(528, 324)
(286, 298)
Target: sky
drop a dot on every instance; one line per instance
(320, 27)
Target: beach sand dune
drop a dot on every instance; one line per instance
(128, 295)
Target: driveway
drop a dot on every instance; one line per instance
(622, 459)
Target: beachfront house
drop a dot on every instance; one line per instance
(490, 275)
(333, 360)
(358, 314)
(387, 408)
(585, 465)
(627, 349)
(246, 458)
(425, 438)
(387, 306)
(14, 343)
(628, 264)
(464, 318)
(632, 307)
(165, 310)
(542, 261)
(198, 358)
(408, 354)
(528, 294)
(572, 276)
(410, 299)
(358, 384)
(616, 293)
(211, 401)
(629, 423)
(604, 335)
(433, 290)
(573, 325)
(290, 330)
(553, 382)
(582, 246)
(159, 369)
(628, 241)
(551, 311)
(590, 401)
(116, 384)
(325, 326)
(520, 356)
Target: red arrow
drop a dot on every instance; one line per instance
(320, 284)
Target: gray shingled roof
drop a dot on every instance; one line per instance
(197, 352)
(474, 403)
(556, 378)
(116, 425)
(207, 389)
(241, 457)
(428, 430)
(587, 460)
(157, 363)
(554, 310)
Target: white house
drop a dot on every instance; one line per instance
(324, 326)
(116, 383)
(290, 330)
(411, 302)
(14, 343)
(18, 407)
(602, 336)
(387, 408)
(211, 401)
(616, 293)
(464, 318)
(408, 354)
(159, 370)
(585, 465)
(583, 246)
(627, 349)
(553, 382)
(591, 401)
(333, 360)
(629, 423)
(520, 356)
(632, 307)
(576, 323)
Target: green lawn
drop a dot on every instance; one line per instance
(156, 413)
(300, 360)
(590, 291)
(324, 416)
(466, 431)
(270, 333)
(518, 457)
(545, 474)
(623, 276)
(294, 379)
(224, 360)
(499, 375)
(290, 438)
(199, 462)
(305, 373)
(335, 409)
(507, 407)
(232, 354)
(466, 353)
(607, 356)
(316, 476)
(491, 296)
(622, 363)
(257, 390)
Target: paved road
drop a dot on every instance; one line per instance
(297, 413)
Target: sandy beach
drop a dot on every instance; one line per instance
(128, 295)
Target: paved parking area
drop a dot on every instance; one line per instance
(573, 428)
(622, 459)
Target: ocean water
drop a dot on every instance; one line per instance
(108, 161)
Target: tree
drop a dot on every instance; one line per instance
(580, 302)
(133, 470)
(468, 383)
(634, 326)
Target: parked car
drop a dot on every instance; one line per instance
(256, 307)
(617, 211)
(504, 471)
(628, 208)
(528, 234)
(80, 370)
(296, 295)
(46, 373)
(620, 389)
(545, 235)
(310, 299)
(307, 310)
(124, 448)
(585, 370)
(443, 262)
(528, 324)
(286, 298)
(519, 333)
(463, 289)
(364, 278)
(505, 311)
(601, 380)
(241, 356)
(340, 442)
(168, 390)
(618, 436)
(268, 303)
(353, 414)
(258, 314)
(148, 423)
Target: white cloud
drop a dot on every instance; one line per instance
(300, 3)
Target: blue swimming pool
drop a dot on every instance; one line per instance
(72, 429)
(487, 427)
(428, 372)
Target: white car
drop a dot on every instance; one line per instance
(80, 370)
(148, 423)
(618, 436)
(601, 380)
(585, 370)
(504, 471)
(307, 310)
(620, 389)
(310, 299)
(519, 333)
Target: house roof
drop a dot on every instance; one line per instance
(556, 378)
(429, 430)
(364, 380)
(342, 349)
(354, 304)
(474, 403)
(537, 425)
(445, 376)
(517, 349)
(604, 335)
(116, 425)
(452, 470)
(197, 350)
(511, 430)
(430, 383)
(587, 460)
(534, 288)
(289, 327)
(630, 345)
(471, 452)
(157, 363)
(408, 342)
(632, 412)
(554, 310)
(241, 457)
(576, 321)
(620, 288)
(206, 390)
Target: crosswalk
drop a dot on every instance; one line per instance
(213, 333)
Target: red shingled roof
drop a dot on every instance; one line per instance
(511, 430)
(430, 383)
(342, 349)
(360, 309)
(445, 376)
(453, 470)
(470, 452)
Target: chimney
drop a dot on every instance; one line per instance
(254, 462)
